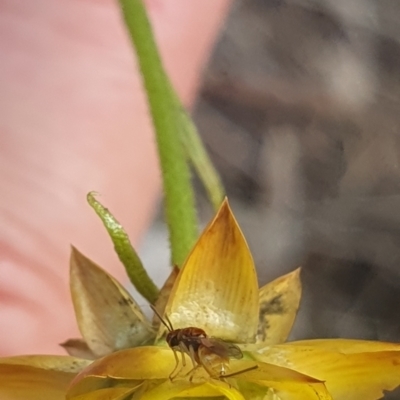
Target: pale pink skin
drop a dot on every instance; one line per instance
(73, 118)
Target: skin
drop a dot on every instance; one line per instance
(73, 118)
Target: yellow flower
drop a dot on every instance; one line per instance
(216, 291)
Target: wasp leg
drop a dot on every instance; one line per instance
(192, 356)
(195, 363)
(183, 359)
(240, 371)
(191, 372)
(171, 375)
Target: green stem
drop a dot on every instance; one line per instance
(179, 197)
(200, 159)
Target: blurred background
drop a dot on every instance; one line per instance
(299, 108)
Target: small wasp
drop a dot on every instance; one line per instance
(211, 353)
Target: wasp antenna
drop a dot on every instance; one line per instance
(169, 327)
(169, 323)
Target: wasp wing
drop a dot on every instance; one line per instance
(221, 348)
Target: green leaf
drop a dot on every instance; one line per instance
(126, 253)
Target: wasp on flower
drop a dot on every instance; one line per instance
(210, 353)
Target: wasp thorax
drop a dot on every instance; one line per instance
(187, 335)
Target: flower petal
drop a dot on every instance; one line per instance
(24, 382)
(216, 289)
(347, 375)
(225, 389)
(52, 363)
(169, 390)
(266, 371)
(279, 302)
(205, 390)
(37, 377)
(88, 384)
(78, 348)
(186, 389)
(164, 295)
(287, 383)
(298, 391)
(251, 390)
(114, 393)
(348, 346)
(284, 390)
(108, 318)
(139, 363)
